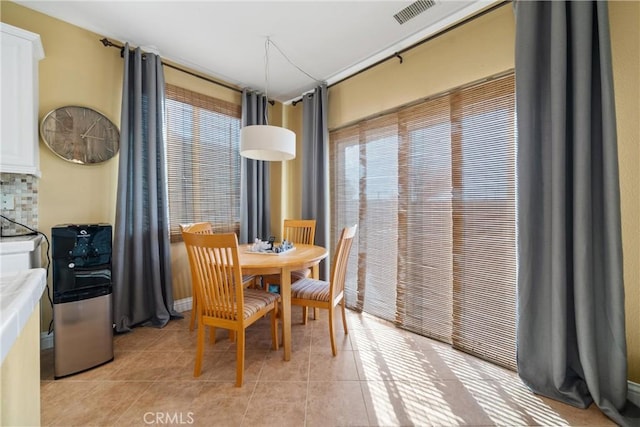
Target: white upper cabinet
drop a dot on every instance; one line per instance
(21, 51)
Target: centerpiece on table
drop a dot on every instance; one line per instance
(268, 247)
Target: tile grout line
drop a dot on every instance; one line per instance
(133, 402)
(360, 380)
(471, 374)
(306, 400)
(253, 392)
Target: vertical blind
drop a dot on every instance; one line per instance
(433, 189)
(203, 160)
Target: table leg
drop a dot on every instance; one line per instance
(315, 274)
(285, 293)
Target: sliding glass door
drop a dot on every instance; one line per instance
(432, 187)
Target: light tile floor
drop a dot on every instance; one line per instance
(382, 376)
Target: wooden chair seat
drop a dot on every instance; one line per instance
(255, 300)
(311, 289)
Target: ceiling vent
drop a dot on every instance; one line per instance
(413, 10)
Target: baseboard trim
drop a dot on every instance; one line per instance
(46, 340)
(183, 304)
(633, 392)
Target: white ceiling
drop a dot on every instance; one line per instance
(329, 40)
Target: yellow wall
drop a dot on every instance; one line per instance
(625, 41)
(291, 182)
(475, 50)
(484, 47)
(78, 70)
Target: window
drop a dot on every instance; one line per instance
(203, 161)
(433, 189)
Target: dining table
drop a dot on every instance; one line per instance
(266, 263)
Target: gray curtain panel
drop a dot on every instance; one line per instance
(142, 287)
(255, 209)
(571, 342)
(315, 167)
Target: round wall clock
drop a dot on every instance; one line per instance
(80, 135)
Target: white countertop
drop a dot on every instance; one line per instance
(19, 244)
(19, 253)
(20, 293)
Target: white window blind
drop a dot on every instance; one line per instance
(203, 161)
(433, 189)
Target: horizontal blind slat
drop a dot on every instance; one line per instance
(203, 160)
(484, 222)
(433, 188)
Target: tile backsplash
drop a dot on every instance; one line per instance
(24, 189)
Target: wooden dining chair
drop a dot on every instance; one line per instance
(223, 302)
(205, 228)
(309, 292)
(296, 231)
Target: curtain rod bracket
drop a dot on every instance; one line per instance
(108, 43)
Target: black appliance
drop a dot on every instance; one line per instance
(82, 302)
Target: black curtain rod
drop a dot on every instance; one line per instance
(108, 43)
(408, 48)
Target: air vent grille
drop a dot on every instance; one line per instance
(413, 10)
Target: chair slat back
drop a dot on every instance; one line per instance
(340, 260)
(215, 270)
(301, 231)
(197, 228)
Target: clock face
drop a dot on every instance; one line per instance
(80, 135)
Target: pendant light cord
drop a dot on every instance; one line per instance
(291, 62)
(266, 77)
(267, 43)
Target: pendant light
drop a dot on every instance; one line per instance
(266, 142)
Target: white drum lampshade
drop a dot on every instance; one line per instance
(265, 142)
